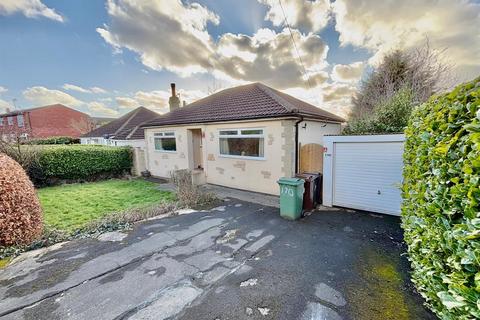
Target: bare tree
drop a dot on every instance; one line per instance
(421, 70)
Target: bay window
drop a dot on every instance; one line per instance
(248, 143)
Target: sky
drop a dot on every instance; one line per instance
(106, 58)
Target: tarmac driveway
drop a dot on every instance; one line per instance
(237, 261)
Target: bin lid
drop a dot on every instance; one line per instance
(306, 176)
(290, 181)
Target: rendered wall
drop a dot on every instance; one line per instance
(314, 131)
(255, 175)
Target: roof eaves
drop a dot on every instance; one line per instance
(313, 115)
(274, 116)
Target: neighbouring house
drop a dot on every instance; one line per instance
(245, 137)
(44, 122)
(124, 131)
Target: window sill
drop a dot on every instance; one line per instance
(241, 157)
(165, 151)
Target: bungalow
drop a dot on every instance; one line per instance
(124, 131)
(245, 137)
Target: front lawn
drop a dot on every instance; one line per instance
(69, 207)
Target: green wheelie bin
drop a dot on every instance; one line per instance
(291, 197)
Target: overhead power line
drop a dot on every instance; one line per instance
(295, 45)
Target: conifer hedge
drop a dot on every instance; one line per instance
(441, 207)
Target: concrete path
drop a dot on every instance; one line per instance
(236, 261)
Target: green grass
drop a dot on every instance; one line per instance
(70, 207)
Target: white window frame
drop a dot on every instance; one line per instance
(240, 135)
(21, 123)
(163, 134)
(1, 121)
(10, 120)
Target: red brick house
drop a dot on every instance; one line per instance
(43, 122)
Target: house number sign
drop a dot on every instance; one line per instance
(287, 191)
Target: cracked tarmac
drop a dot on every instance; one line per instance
(237, 261)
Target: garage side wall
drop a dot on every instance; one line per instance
(313, 131)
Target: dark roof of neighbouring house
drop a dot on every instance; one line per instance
(98, 121)
(126, 127)
(21, 111)
(251, 101)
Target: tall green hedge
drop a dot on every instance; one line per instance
(83, 161)
(441, 211)
(54, 140)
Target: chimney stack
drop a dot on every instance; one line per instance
(174, 101)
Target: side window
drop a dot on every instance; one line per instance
(165, 141)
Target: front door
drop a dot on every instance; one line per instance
(197, 148)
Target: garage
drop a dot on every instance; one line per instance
(363, 172)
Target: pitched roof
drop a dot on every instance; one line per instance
(126, 127)
(21, 111)
(251, 101)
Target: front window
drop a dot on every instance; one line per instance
(10, 121)
(1, 122)
(242, 143)
(165, 141)
(20, 120)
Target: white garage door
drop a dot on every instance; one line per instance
(367, 176)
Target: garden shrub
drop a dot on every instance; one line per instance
(390, 116)
(54, 140)
(188, 194)
(21, 219)
(441, 207)
(75, 162)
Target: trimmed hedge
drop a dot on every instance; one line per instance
(75, 162)
(441, 207)
(54, 140)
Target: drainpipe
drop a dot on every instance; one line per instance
(296, 143)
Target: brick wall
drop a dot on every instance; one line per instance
(58, 120)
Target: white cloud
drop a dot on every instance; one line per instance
(173, 36)
(101, 109)
(3, 89)
(304, 14)
(4, 105)
(73, 87)
(126, 103)
(43, 96)
(270, 57)
(166, 33)
(348, 72)
(29, 8)
(98, 90)
(382, 26)
(333, 97)
(156, 100)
